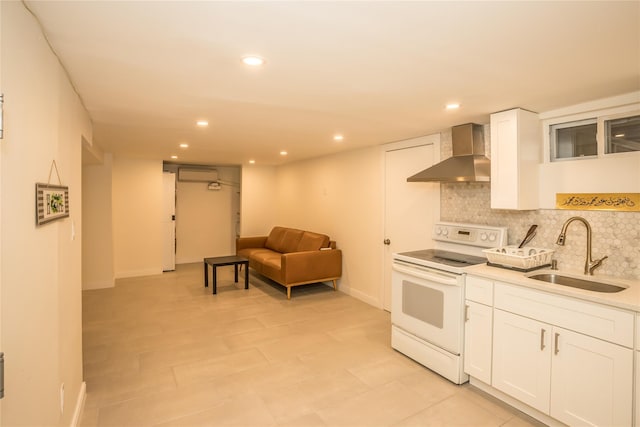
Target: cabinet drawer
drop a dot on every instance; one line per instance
(599, 321)
(479, 290)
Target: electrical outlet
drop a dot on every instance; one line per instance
(62, 398)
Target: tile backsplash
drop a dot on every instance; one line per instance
(616, 234)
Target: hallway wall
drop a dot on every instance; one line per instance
(44, 121)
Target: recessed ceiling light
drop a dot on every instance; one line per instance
(453, 106)
(184, 145)
(252, 60)
(174, 157)
(202, 123)
(252, 161)
(619, 135)
(283, 153)
(338, 137)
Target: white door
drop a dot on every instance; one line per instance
(522, 359)
(411, 208)
(592, 381)
(169, 222)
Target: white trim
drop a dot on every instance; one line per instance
(79, 409)
(597, 105)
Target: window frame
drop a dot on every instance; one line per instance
(553, 147)
(604, 131)
(608, 109)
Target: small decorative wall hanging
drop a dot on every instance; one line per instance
(629, 202)
(52, 201)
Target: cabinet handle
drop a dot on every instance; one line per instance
(542, 346)
(466, 312)
(557, 350)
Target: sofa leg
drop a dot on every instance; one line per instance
(335, 284)
(288, 292)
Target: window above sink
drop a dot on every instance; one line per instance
(570, 164)
(573, 139)
(622, 135)
(600, 135)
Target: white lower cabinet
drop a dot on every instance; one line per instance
(637, 423)
(477, 340)
(522, 359)
(569, 360)
(591, 381)
(637, 399)
(574, 378)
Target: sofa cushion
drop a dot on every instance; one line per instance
(272, 269)
(283, 240)
(312, 241)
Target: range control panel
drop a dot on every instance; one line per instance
(470, 234)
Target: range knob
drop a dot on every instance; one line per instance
(438, 231)
(483, 236)
(492, 237)
(445, 231)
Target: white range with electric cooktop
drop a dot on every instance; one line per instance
(427, 295)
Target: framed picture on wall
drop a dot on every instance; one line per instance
(52, 203)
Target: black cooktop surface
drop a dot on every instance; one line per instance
(454, 259)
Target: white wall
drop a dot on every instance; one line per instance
(41, 266)
(97, 225)
(205, 219)
(618, 173)
(341, 196)
(137, 217)
(258, 202)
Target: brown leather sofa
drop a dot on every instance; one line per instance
(292, 257)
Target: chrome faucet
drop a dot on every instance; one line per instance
(589, 264)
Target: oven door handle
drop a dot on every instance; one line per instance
(433, 275)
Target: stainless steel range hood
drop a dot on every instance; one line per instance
(468, 163)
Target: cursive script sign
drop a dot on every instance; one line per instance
(629, 202)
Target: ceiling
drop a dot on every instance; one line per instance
(372, 71)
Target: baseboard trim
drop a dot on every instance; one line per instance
(138, 273)
(79, 409)
(190, 260)
(361, 296)
(98, 284)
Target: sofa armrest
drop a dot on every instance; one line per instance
(309, 266)
(250, 242)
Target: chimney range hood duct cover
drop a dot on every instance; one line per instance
(468, 163)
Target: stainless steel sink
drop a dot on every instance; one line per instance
(574, 282)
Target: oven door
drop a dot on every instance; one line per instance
(427, 303)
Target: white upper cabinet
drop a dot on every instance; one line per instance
(516, 148)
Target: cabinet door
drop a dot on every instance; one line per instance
(477, 341)
(592, 381)
(522, 359)
(515, 154)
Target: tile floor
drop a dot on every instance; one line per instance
(161, 350)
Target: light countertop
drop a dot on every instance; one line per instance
(628, 299)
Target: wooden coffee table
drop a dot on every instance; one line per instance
(221, 261)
